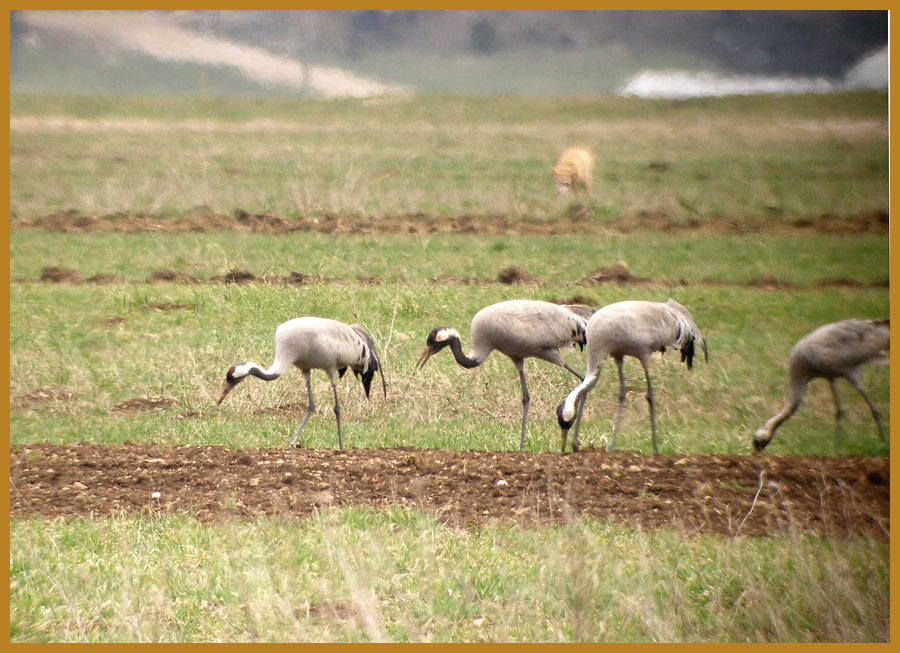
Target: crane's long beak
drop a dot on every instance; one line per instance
(226, 388)
(428, 353)
(565, 436)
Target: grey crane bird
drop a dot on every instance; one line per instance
(519, 329)
(631, 328)
(832, 351)
(315, 343)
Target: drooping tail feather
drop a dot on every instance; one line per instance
(372, 363)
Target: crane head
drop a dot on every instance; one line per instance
(231, 380)
(565, 415)
(761, 438)
(437, 340)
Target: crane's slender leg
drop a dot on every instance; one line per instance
(310, 409)
(838, 414)
(337, 407)
(650, 400)
(619, 362)
(875, 414)
(526, 398)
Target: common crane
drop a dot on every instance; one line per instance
(630, 328)
(519, 329)
(315, 343)
(832, 351)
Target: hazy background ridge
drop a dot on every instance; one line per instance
(364, 53)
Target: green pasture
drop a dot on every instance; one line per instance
(778, 157)
(77, 351)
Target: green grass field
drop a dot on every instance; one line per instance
(803, 156)
(357, 574)
(62, 338)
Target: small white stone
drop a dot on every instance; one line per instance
(501, 483)
(155, 495)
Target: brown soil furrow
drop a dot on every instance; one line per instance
(576, 221)
(706, 493)
(510, 276)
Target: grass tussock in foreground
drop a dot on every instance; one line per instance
(362, 575)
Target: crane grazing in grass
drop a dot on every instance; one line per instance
(631, 328)
(519, 329)
(315, 343)
(832, 351)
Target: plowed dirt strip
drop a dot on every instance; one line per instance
(723, 494)
(577, 221)
(516, 275)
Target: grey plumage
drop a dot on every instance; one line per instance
(832, 351)
(519, 329)
(631, 328)
(315, 343)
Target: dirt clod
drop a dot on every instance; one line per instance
(236, 276)
(173, 276)
(515, 274)
(61, 275)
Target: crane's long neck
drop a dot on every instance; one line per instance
(252, 368)
(566, 412)
(265, 375)
(461, 358)
(767, 431)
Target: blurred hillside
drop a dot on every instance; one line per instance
(516, 52)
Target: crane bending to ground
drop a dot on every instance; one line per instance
(832, 351)
(519, 329)
(630, 328)
(315, 343)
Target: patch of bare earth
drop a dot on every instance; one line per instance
(708, 493)
(576, 221)
(144, 404)
(515, 275)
